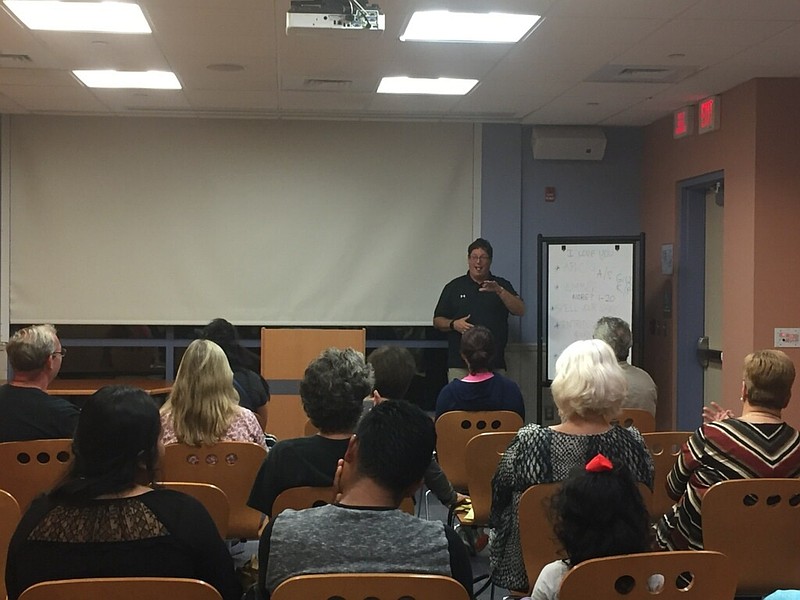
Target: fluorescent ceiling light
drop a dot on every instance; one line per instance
(149, 80)
(445, 26)
(444, 86)
(106, 17)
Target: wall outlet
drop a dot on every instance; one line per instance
(787, 337)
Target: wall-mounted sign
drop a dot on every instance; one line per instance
(682, 122)
(708, 114)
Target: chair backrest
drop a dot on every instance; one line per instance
(9, 517)
(756, 522)
(455, 428)
(686, 575)
(231, 466)
(308, 496)
(376, 586)
(664, 447)
(537, 540)
(310, 428)
(33, 467)
(639, 418)
(210, 496)
(483, 454)
(302, 497)
(122, 588)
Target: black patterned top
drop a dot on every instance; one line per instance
(542, 455)
(162, 533)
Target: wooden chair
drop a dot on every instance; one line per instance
(664, 447)
(537, 540)
(33, 467)
(639, 418)
(307, 496)
(455, 428)
(688, 575)
(309, 428)
(302, 497)
(9, 517)
(483, 453)
(375, 586)
(756, 522)
(122, 588)
(210, 496)
(231, 466)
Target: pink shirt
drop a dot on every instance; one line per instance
(244, 428)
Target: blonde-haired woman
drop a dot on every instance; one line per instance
(203, 407)
(587, 390)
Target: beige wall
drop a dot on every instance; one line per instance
(757, 148)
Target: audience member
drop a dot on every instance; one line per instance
(364, 532)
(588, 389)
(394, 368)
(481, 389)
(642, 391)
(597, 512)
(757, 444)
(104, 520)
(333, 388)
(253, 389)
(203, 406)
(28, 412)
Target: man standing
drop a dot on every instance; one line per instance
(27, 412)
(364, 532)
(477, 298)
(642, 391)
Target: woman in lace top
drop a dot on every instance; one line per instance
(203, 407)
(104, 519)
(587, 390)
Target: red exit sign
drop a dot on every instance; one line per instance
(708, 114)
(682, 122)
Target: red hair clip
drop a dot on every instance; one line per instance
(599, 463)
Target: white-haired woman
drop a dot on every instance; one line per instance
(587, 390)
(203, 407)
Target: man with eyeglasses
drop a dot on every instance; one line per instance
(27, 412)
(477, 298)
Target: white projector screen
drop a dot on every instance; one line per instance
(177, 221)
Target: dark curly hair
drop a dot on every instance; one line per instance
(333, 389)
(597, 514)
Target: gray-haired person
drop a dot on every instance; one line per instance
(642, 391)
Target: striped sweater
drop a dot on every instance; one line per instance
(719, 451)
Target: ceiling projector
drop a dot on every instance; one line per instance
(334, 14)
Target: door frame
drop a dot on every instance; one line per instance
(690, 302)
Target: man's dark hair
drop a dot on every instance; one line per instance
(481, 243)
(395, 445)
(394, 369)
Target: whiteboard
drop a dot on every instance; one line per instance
(586, 281)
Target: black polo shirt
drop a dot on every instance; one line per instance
(461, 297)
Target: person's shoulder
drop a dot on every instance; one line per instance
(533, 431)
(457, 281)
(59, 404)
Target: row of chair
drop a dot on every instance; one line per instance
(685, 575)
